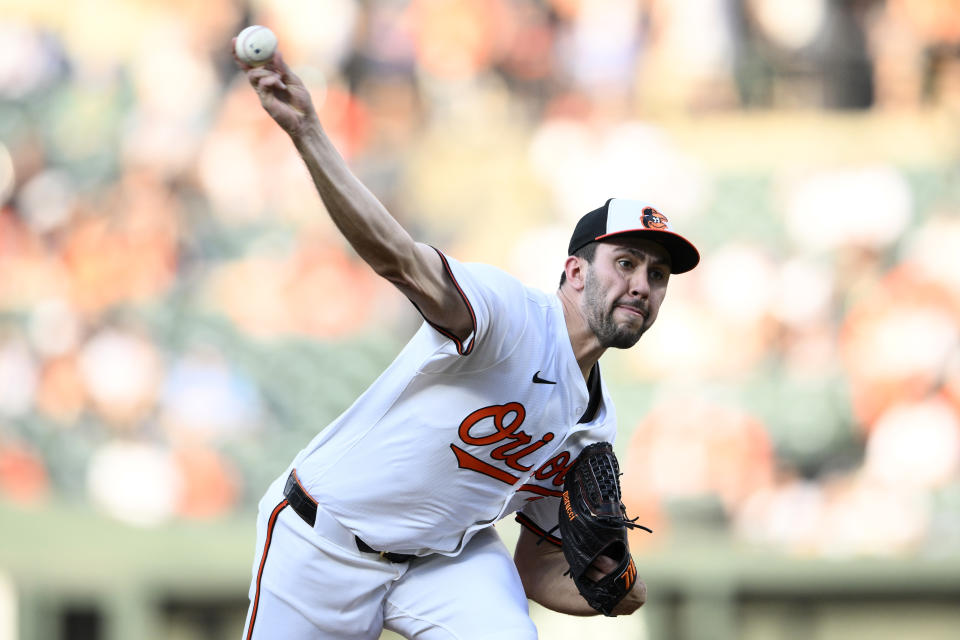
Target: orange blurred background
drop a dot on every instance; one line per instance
(178, 316)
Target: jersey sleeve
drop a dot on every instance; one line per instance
(496, 302)
(542, 518)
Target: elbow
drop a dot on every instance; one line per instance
(634, 599)
(391, 271)
(399, 264)
(396, 269)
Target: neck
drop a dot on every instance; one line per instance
(586, 347)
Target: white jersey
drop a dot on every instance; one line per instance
(452, 437)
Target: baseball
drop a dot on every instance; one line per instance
(255, 45)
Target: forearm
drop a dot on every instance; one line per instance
(365, 223)
(542, 568)
(558, 592)
(414, 268)
(548, 587)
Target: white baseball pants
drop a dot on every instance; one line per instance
(313, 583)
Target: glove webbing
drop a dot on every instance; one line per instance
(630, 523)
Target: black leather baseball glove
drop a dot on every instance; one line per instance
(593, 523)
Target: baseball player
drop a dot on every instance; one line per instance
(384, 520)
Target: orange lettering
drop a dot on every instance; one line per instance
(468, 461)
(629, 575)
(571, 514)
(556, 467)
(519, 439)
(535, 488)
(498, 413)
(516, 444)
(513, 459)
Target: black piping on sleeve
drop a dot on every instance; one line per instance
(537, 530)
(461, 348)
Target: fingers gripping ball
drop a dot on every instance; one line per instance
(255, 45)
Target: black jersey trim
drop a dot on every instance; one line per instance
(461, 349)
(537, 529)
(596, 395)
(263, 561)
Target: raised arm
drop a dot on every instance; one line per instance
(414, 268)
(542, 567)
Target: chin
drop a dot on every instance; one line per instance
(624, 340)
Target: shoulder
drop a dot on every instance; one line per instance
(491, 282)
(500, 306)
(486, 273)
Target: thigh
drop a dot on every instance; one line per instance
(305, 587)
(476, 594)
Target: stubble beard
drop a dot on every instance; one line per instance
(600, 319)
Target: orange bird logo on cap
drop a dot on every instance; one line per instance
(653, 219)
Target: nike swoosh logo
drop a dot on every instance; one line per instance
(539, 380)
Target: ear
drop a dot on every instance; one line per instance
(575, 268)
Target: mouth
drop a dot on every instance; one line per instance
(633, 310)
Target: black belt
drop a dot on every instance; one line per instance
(306, 507)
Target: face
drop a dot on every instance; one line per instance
(623, 289)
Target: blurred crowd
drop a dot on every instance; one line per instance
(178, 316)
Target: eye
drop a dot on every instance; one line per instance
(658, 275)
(625, 263)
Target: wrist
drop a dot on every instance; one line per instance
(309, 132)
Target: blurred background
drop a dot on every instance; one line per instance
(178, 317)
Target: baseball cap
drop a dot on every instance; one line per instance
(620, 217)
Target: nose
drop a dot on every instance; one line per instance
(640, 284)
